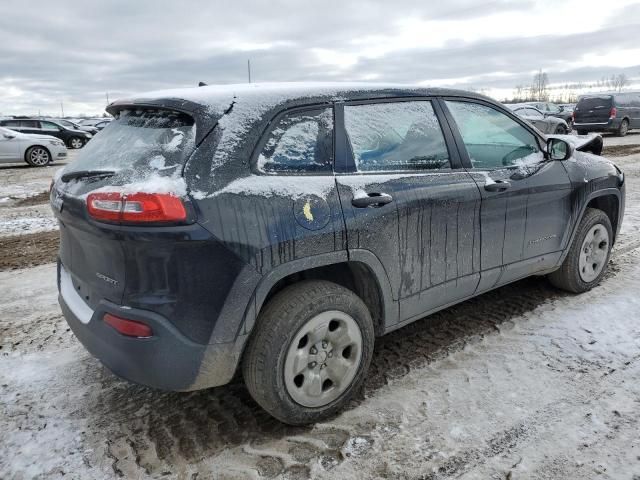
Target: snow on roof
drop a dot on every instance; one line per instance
(219, 97)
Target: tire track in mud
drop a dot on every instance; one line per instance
(533, 429)
(36, 335)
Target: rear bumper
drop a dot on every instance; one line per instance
(610, 126)
(167, 360)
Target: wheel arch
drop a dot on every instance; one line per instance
(609, 201)
(359, 271)
(609, 204)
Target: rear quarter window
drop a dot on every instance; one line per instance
(299, 142)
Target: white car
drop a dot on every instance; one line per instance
(36, 150)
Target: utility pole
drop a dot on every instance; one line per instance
(107, 98)
(62, 109)
(249, 69)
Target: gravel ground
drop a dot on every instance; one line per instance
(525, 382)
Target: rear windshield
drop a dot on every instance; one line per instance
(589, 103)
(139, 144)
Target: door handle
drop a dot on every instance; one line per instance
(497, 186)
(372, 200)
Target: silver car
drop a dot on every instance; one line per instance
(544, 123)
(36, 150)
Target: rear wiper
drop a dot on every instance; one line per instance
(86, 174)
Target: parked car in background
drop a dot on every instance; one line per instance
(36, 150)
(567, 107)
(544, 123)
(74, 125)
(279, 229)
(616, 112)
(98, 123)
(553, 110)
(102, 124)
(71, 137)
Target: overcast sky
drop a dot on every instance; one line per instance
(76, 52)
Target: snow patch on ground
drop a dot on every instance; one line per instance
(17, 226)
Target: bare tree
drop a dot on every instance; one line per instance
(539, 87)
(618, 82)
(519, 93)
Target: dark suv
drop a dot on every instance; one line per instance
(71, 137)
(278, 230)
(607, 112)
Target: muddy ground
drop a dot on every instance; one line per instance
(525, 382)
(28, 250)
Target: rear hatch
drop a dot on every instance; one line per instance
(593, 109)
(142, 150)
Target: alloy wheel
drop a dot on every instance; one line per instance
(39, 156)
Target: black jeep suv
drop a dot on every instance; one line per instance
(279, 229)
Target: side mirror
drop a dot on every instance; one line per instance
(8, 136)
(559, 149)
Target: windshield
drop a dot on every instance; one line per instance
(139, 144)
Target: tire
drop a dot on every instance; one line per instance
(561, 130)
(76, 142)
(582, 132)
(306, 316)
(623, 128)
(570, 124)
(569, 276)
(37, 156)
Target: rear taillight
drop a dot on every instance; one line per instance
(130, 328)
(612, 113)
(136, 207)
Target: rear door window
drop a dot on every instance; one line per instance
(49, 126)
(396, 136)
(492, 139)
(299, 142)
